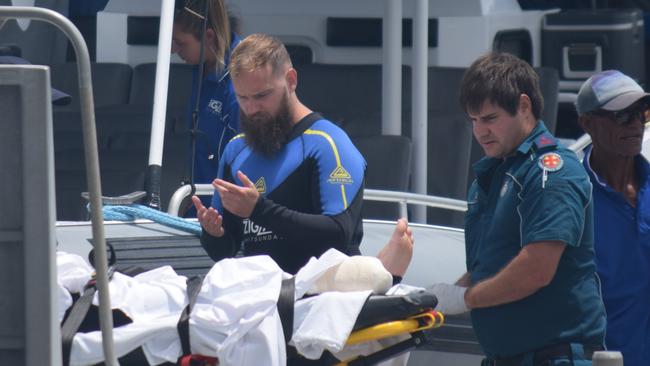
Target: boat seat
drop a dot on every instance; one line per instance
(141, 140)
(449, 136)
(73, 140)
(549, 84)
(144, 78)
(111, 83)
(349, 95)
(112, 121)
(41, 43)
(388, 161)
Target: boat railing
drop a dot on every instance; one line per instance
(403, 199)
(91, 156)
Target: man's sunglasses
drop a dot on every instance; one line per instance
(626, 116)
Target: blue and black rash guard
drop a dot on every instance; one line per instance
(311, 193)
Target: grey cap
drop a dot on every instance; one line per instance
(58, 97)
(610, 90)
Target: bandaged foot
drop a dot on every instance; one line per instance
(396, 255)
(451, 298)
(357, 273)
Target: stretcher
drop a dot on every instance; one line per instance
(404, 319)
(402, 322)
(413, 325)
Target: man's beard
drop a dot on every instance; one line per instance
(264, 133)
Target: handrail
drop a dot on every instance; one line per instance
(580, 143)
(184, 191)
(402, 198)
(91, 155)
(406, 198)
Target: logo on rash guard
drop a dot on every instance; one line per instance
(214, 106)
(260, 185)
(340, 176)
(257, 233)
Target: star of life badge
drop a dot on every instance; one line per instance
(549, 162)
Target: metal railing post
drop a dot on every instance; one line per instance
(91, 155)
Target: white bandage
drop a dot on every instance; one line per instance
(357, 273)
(451, 298)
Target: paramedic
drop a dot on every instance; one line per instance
(530, 284)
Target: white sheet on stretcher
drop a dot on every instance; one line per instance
(235, 317)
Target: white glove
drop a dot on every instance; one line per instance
(451, 298)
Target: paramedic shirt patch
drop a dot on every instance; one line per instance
(551, 162)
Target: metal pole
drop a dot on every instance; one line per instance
(92, 160)
(391, 90)
(419, 107)
(154, 170)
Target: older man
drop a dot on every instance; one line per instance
(613, 109)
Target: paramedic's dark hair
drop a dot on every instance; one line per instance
(500, 78)
(190, 19)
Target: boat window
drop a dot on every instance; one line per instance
(367, 32)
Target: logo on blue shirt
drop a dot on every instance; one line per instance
(215, 106)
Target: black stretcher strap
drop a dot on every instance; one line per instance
(77, 315)
(74, 320)
(286, 302)
(183, 326)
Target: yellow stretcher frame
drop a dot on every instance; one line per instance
(423, 321)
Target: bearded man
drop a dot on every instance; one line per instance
(291, 185)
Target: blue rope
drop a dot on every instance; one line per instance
(136, 211)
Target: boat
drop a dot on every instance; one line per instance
(30, 229)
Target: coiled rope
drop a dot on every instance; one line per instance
(136, 211)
